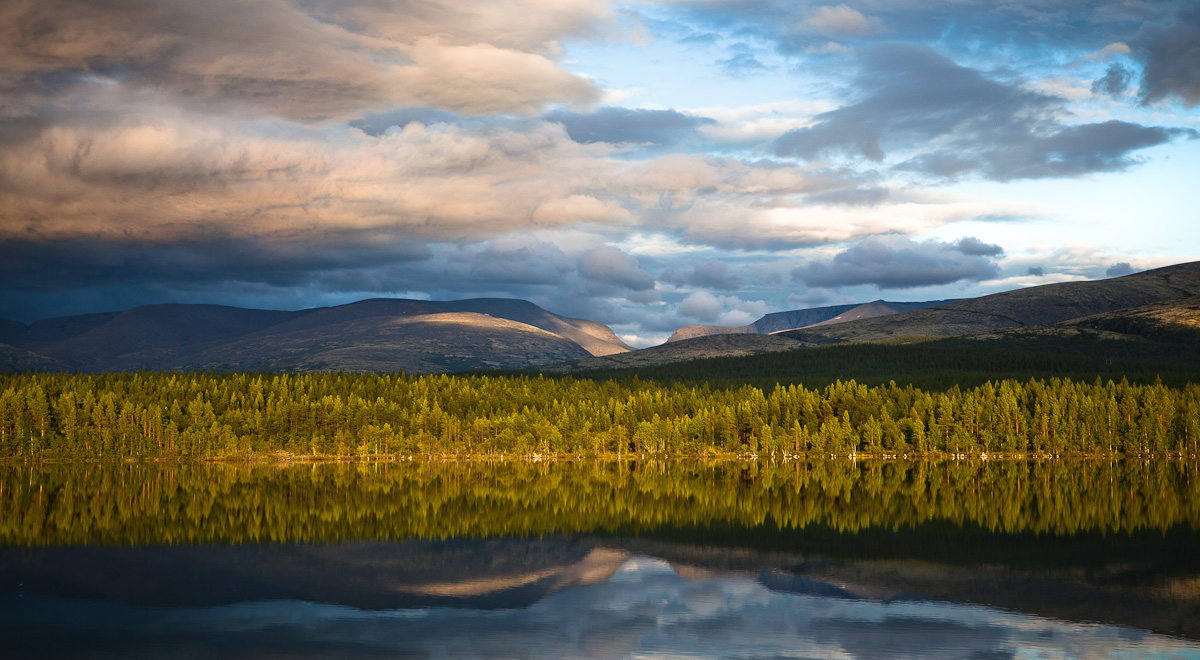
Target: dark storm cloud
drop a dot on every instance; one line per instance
(1036, 271)
(520, 261)
(970, 245)
(48, 266)
(898, 262)
(1170, 55)
(609, 265)
(1119, 269)
(660, 128)
(44, 279)
(1114, 83)
(911, 96)
(713, 274)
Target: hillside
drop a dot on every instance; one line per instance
(1167, 319)
(1035, 306)
(426, 343)
(698, 348)
(371, 335)
(802, 318)
(1019, 334)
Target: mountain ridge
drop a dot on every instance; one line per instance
(793, 319)
(377, 334)
(1033, 306)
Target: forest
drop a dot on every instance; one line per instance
(190, 416)
(943, 363)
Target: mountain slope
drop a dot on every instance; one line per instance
(371, 335)
(596, 338)
(1035, 306)
(876, 309)
(802, 318)
(696, 348)
(1167, 319)
(774, 322)
(423, 343)
(154, 335)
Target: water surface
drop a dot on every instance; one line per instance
(954, 559)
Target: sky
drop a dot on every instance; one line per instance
(648, 165)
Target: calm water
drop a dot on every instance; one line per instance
(602, 560)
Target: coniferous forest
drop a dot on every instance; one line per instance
(230, 416)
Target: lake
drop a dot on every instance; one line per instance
(636, 559)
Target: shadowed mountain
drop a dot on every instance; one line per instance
(372, 335)
(803, 318)
(1035, 306)
(153, 335)
(12, 332)
(15, 359)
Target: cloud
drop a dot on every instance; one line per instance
(969, 245)
(701, 306)
(707, 308)
(659, 128)
(1119, 269)
(1110, 51)
(609, 265)
(858, 196)
(1114, 83)
(377, 123)
(741, 64)
(898, 262)
(355, 56)
(713, 274)
(1036, 271)
(519, 260)
(159, 177)
(955, 122)
(840, 20)
(1170, 56)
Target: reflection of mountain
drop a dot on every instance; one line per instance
(1096, 584)
(1072, 581)
(481, 574)
(649, 608)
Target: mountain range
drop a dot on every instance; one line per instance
(803, 318)
(414, 336)
(418, 336)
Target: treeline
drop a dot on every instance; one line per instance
(944, 363)
(157, 503)
(202, 416)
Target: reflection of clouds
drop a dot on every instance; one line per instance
(645, 610)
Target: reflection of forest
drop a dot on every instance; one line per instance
(140, 503)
